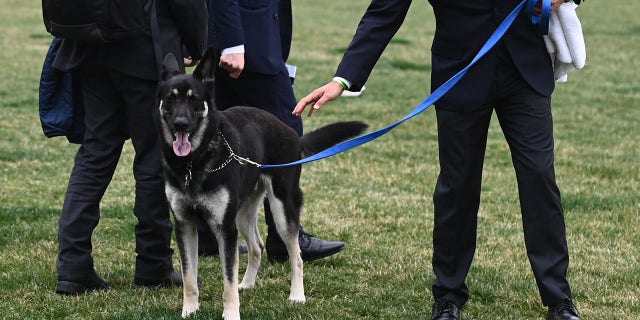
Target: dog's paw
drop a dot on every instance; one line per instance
(246, 286)
(189, 309)
(233, 315)
(297, 299)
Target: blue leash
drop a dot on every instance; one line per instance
(440, 91)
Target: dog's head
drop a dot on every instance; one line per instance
(185, 103)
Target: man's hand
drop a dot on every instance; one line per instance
(555, 4)
(233, 62)
(319, 97)
(191, 62)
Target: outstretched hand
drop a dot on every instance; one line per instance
(319, 97)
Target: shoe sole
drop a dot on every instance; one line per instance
(154, 284)
(70, 288)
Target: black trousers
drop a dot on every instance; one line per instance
(526, 122)
(117, 107)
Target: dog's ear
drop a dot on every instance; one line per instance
(170, 67)
(207, 65)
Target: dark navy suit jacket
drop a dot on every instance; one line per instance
(262, 26)
(462, 27)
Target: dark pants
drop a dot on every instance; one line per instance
(117, 107)
(272, 93)
(526, 122)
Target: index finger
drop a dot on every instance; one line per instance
(303, 105)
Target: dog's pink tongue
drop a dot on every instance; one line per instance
(182, 146)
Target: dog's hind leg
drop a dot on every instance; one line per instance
(286, 216)
(247, 222)
(187, 238)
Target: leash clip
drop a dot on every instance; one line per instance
(244, 161)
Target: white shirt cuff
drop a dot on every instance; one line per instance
(232, 50)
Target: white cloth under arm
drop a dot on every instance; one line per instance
(565, 42)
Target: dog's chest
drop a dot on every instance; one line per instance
(213, 203)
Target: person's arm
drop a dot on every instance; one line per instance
(379, 24)
(191, 19)
(229, 35)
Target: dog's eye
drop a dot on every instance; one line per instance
(167, 107)
(199, 111)
(167, 103)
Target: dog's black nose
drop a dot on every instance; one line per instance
(181, 123)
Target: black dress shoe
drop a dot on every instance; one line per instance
(92, 282)
(174, 279)
(445, 310)
(312, 248)
(564, 310)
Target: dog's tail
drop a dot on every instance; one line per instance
(330, 135)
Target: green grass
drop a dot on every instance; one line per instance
(377, 198)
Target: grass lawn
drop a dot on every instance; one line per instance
(376, 198)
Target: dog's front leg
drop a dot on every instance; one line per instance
(228, 248)
(187, 238)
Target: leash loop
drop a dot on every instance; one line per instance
(543, 19)
(440, 91)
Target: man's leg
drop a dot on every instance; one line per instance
(462, 140)
(526, 121)
(153, 230)
(94, 165)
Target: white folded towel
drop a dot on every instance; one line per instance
(565, 42)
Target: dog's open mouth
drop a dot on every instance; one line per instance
(182, 145)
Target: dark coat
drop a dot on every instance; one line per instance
(60, 101)
(462, 27)
(264, 27)
(136, 57)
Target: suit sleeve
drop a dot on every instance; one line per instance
(191, 18)
(226, 23)
(286, 27)
(379, 24)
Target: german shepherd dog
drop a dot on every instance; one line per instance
(207, 155)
